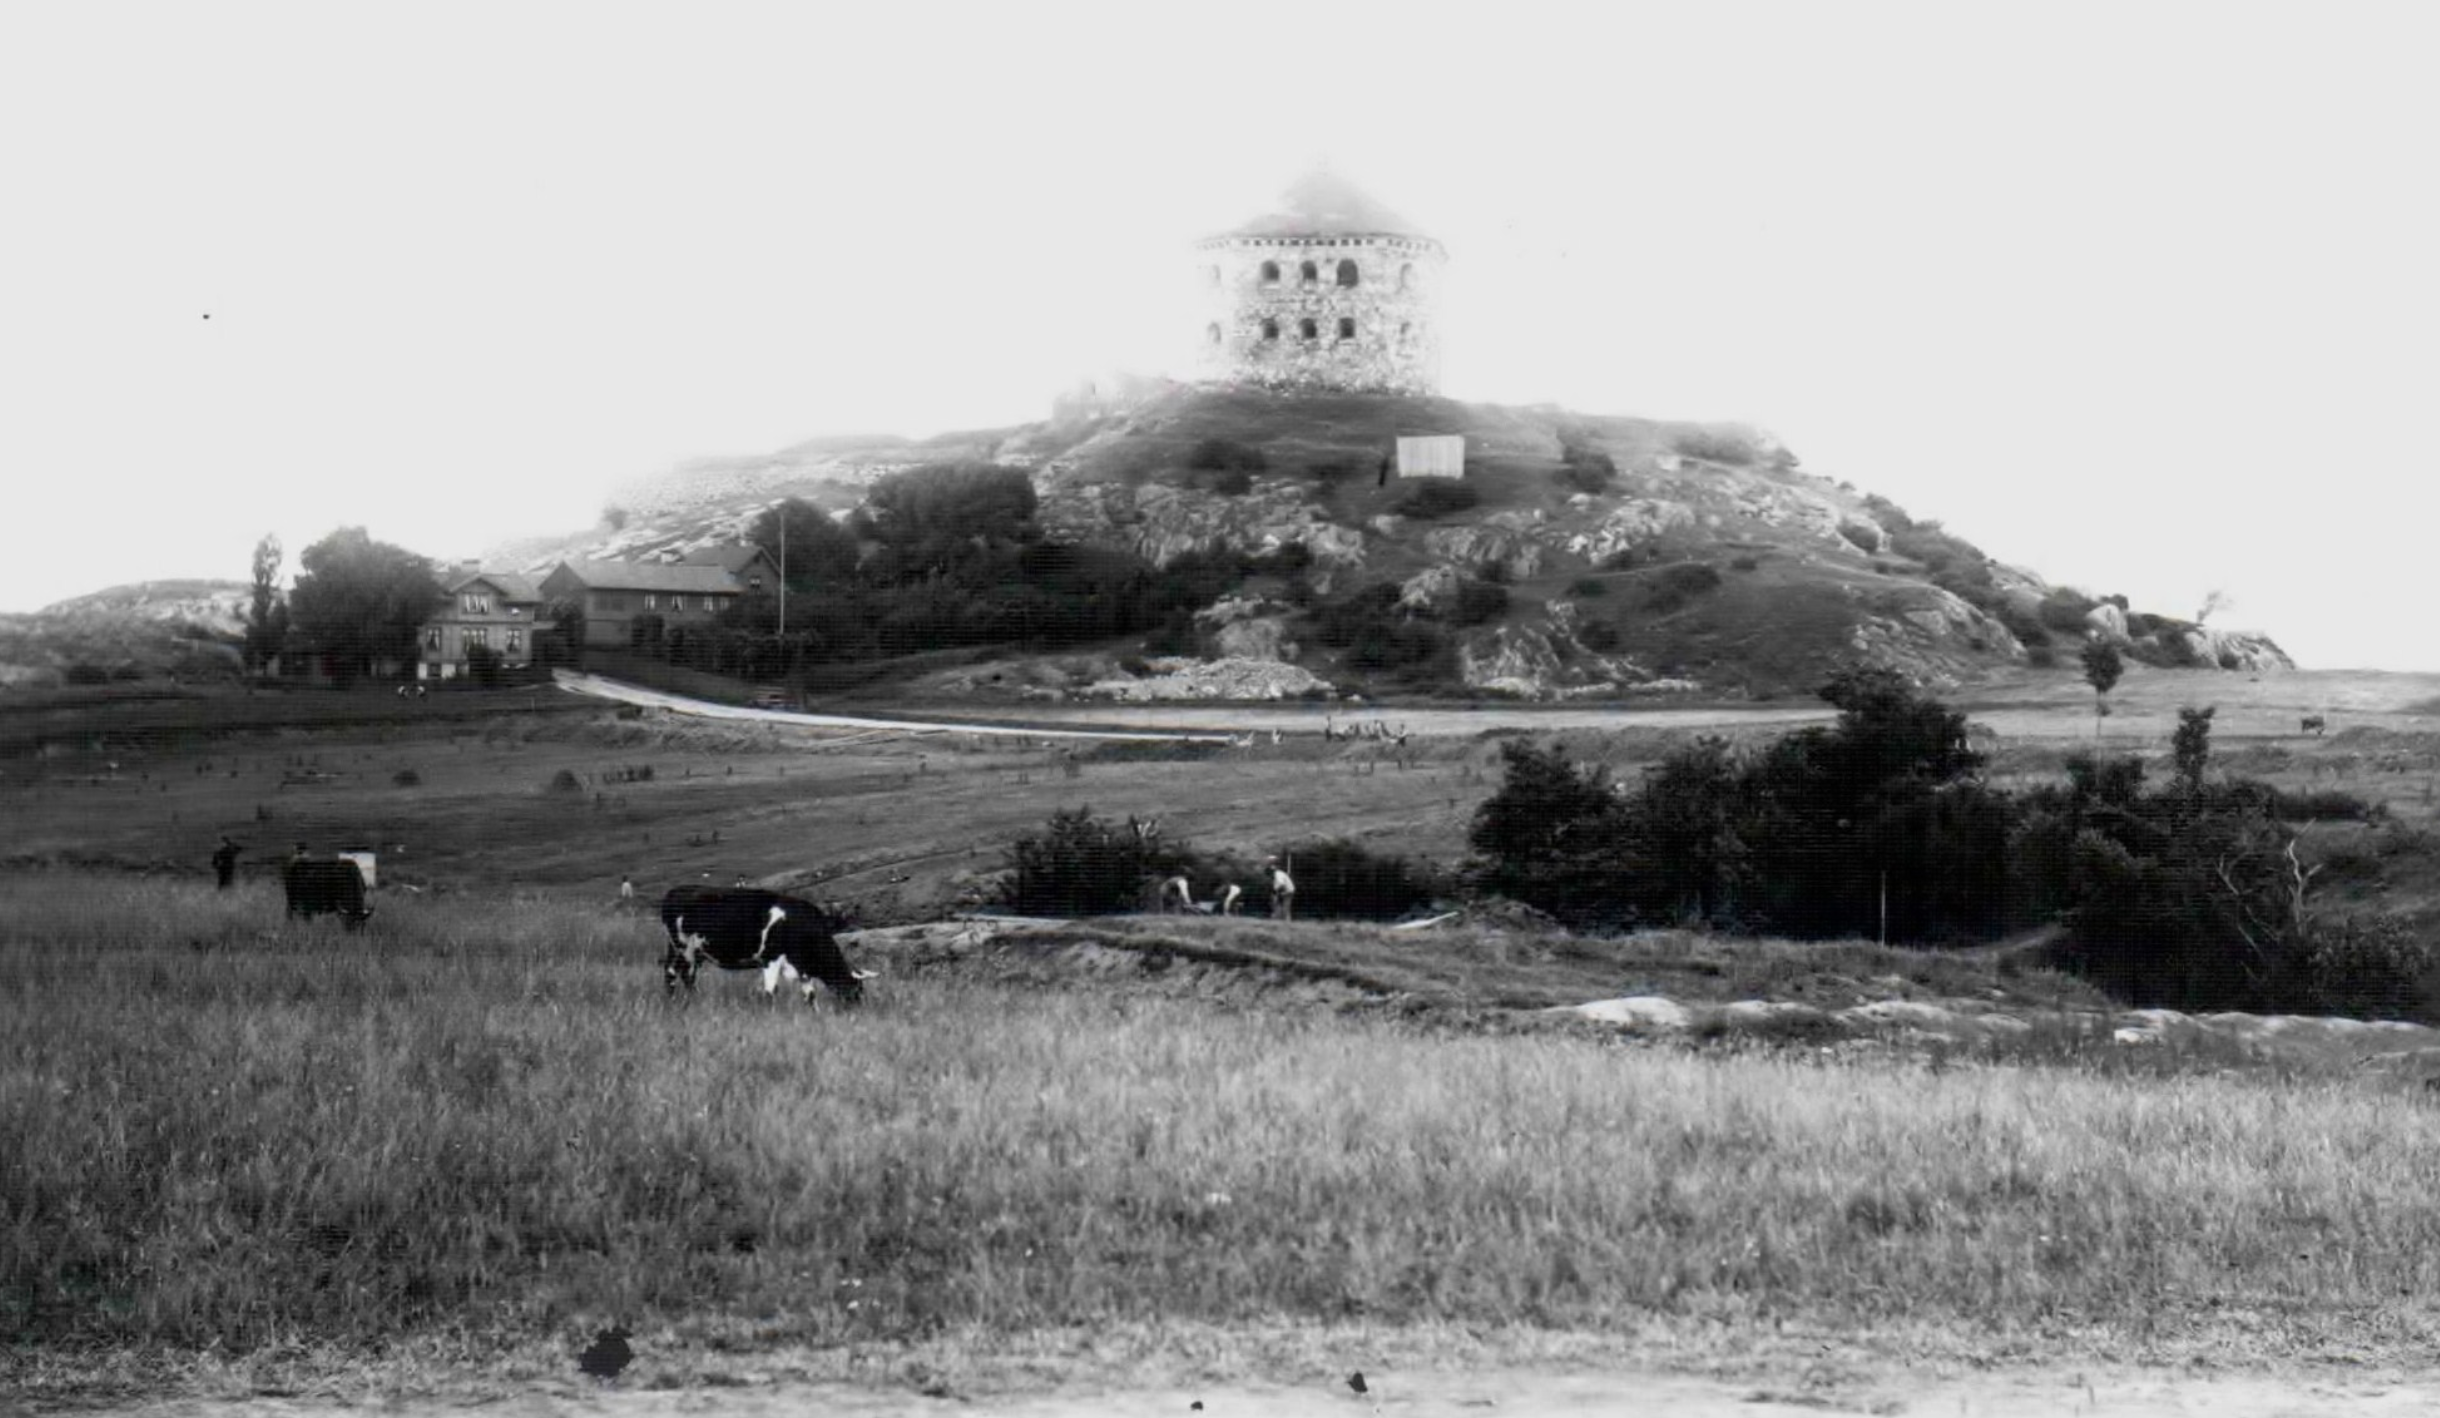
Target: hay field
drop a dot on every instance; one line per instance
(479, 1127)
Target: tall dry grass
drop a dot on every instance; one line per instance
(219, 1129)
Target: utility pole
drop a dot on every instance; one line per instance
(783, 568)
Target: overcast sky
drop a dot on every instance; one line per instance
(2142, 296)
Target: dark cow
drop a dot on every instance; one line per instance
(325, 885)
(745, 928)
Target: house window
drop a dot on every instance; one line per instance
(1270, 273)
(1308, 330)
(1270, 329)
(677, 603)
(432, 637)
(1347, 327)
(652, 600)
(516, 640)
(475, 603)
(477, 635)
(1347, 273)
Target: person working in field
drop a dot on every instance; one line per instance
(224, 861)
(1283, 892)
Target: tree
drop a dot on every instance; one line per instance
(946, 520)
(267, 616)
(2102, 667)
(359, 601)
(1554, 836)
(819, 551)
(2191, 749)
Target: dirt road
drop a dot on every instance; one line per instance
(1516, 1393)
(1186, 723)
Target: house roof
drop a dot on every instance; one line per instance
(733, 558)
(651, 576)
(511, 586)
(1322, 203)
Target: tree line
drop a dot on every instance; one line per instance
(2189, 893)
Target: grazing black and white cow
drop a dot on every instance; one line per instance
(746, 928)
(319, 886)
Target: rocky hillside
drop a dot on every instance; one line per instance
(1578, 556)
(140, 631)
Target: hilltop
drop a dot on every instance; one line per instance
(140, 630)
(1579, 556)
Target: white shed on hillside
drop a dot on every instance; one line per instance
(1434, 456)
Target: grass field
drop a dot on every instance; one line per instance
(481, 1125)
(477, 1128)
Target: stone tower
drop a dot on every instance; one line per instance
(1330, 291)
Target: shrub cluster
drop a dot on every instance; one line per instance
(1375, 633)
(1081, 865)
(1718, 446)
(1220, 455)
(1583, 464)
(1477, 602)
(1436, 497)
(1679, 584)
(1339, 878)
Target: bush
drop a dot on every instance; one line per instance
(2064, 611)
(1339, 878)
(1863, 538)
(2371, 968)
(1079, 865)
(1436, 497)
(84, 672)
(1598, 635)
(1585, 466)
(407, 778)
(1477, 602)
(564, 781)
(2321, 805)
(1588, 586)
(1226, 482)
(1718, 446)
(1676, 585)
(1220, 455)
(1745, 563)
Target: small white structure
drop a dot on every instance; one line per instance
(1440, 455)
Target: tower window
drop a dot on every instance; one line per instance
(1215, 275)
(1347, 327)
(1270, 273)
(1211, 333)
(1406, 331)
(1308, 329)
(1270, 329)
(1406, 275)
(1347, 273)
(1309, 273)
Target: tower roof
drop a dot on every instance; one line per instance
(1322, 203)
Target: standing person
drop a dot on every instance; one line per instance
(626, 893)
(1283, 893)
(224, 861)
